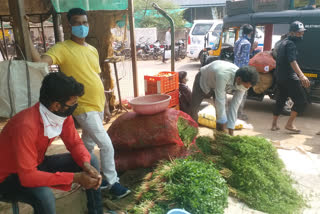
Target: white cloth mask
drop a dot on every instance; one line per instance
(240, 87)
(52, 123)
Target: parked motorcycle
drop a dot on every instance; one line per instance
(121, 49)
(157, 50)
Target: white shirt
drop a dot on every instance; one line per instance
(219, 76)
(168, 38)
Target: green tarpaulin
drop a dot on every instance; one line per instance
(65, 5)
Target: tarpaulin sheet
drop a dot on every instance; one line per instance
(62, 6)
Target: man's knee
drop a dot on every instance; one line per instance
(45, 200)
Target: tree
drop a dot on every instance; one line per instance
(151, 18)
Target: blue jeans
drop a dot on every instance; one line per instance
(41, 198)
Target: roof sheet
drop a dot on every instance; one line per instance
(199, 3)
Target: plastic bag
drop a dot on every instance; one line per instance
(207, 118)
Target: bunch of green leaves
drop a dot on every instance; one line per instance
(258, 174)
(184, 183)
(186, 132)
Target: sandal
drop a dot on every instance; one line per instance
(294, 130)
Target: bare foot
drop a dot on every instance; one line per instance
(293, 129)
(274, 127)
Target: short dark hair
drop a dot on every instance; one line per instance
(246, 29)
(57, 87)
(182, 75)
(74, 12)
(248, 74)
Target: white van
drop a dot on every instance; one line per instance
(196, 36)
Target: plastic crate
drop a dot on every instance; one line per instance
(161, 84)
(174, 98)
(177, 107)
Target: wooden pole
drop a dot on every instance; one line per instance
(43, 35)
(133, 48)
(20, 29)
(56, 29)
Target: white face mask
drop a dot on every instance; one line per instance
(240, 87)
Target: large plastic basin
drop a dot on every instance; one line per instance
(150, 104)
(178, 211)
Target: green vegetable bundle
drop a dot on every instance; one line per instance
(254, 171)
(193, 185)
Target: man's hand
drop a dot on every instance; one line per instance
(92, 172)
(304, 81)
(85, 180)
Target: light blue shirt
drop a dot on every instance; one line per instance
(219, 76)
(242, 49)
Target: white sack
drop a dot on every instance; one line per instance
(19, 86)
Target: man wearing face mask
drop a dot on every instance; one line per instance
(216, 79)
(27, 174)
(77, 58)
(290, 79)
(242, 50)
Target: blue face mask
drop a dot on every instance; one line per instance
(80, 31)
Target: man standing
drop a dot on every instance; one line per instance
(216, 79)
(290, 79)
(242, 50)
(77, 58)
(26, 173)
(167, 42)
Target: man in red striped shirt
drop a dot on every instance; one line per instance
(26, 173)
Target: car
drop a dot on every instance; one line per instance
(196, 36)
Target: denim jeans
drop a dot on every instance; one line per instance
(41, 198)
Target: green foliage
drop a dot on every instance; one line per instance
(186, 132)
(258, 174)
(184, 183)
(156, 20)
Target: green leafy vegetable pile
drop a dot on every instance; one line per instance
(186, 132)
(183, 183)
(255, 172)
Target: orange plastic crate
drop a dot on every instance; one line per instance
(160, 84)
(174, 98)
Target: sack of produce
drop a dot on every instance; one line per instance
(263, 62)
(143, 140)
(265, 82)
(207, 118)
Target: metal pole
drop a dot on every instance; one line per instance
(4, 38)
(155, 6)
(133, 49)
(43, 36)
